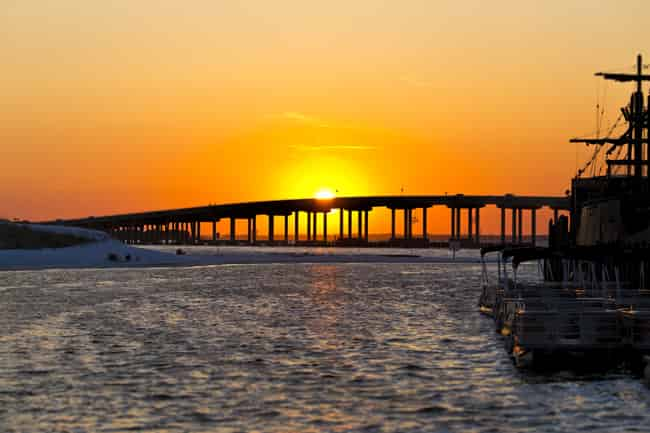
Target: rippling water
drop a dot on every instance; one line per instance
(320, 347)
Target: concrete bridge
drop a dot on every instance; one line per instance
(183, 226)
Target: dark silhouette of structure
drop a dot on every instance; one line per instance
(182, 226)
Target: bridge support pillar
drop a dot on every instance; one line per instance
(308, 225)
(271, 228)
(533, 226)
(520, 222)
(406, 223)
(296, 226)
(514, 225)
(453, 223)
(341, 229)
(392, 224)
(232, 229)
(324, 226)
(424, 223)
(214, 231)
(359, 225)
(503, 225)
(555, 215)
(254, 230)
(286, 229)
(459, 231)
(349, 223)
(249, 230)
(198, 231)
(477, 237)
(470, 225)
(365, 225)
(314, 236)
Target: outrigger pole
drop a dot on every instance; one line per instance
(637, 117)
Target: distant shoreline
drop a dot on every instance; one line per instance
(58, 247)
(22, 237)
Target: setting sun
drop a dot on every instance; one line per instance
(324, 194)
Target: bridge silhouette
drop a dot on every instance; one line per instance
(183, 225)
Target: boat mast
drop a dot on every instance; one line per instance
(637, 117)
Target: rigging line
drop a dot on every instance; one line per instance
(593, 160)
(597, 108)
(603, 105)
(597, 150)
(618, 153)
(576, 168)
(611, 129)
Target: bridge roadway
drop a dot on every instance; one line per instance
(182, 226)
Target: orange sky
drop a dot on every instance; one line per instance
(127, 105)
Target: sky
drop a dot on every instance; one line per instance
(121, 106)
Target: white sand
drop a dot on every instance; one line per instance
(96, 254)
(92, 254)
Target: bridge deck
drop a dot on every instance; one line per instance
(287, 207)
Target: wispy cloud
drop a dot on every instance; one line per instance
(305, 119)
(321, 148)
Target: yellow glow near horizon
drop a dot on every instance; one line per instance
(324, 194)
(256, 101)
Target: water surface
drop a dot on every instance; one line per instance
(290, 347)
